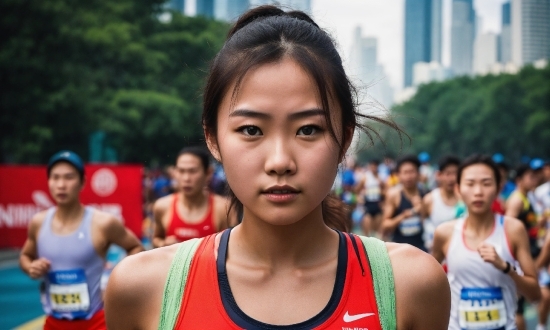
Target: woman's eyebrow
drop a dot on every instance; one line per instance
(262, 115)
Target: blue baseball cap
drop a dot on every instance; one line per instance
(69, 157)
(536, 164)
(498, 158)
(424, 157)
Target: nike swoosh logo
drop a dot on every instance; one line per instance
(350, 318)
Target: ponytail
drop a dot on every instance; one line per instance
(336, 214)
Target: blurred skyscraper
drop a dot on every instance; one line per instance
(230, 10)
(205, 8)
(485, 52)
(463, 31)
(505, 54)
(423, 30)
(367, 72)
(176, 5)
(530, 30)
(303, 5)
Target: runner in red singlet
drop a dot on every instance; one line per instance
(279, 114)
(192, 211)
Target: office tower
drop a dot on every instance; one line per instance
(230, 10)
(205, 8)
(424, 73)
(530, 30)
(437, 30)
(418, 35)
(463, 30)
(505, 55)
(485, 52)
(303, 5)
(176, 5)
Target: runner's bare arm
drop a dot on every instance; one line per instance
(116, 233)
(514, 206)
(159, 209)
(527, 284)
(389, 223)
(133, 298)
(421, 289)
(442, 237)
(544, 257)
(28, 261)
(427, 206)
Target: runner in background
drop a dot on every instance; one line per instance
(66, 249)
(193, 211)
(440, 204)
(518, 206)
(403, 205)
(427, 173)
(542, 208)
(481, 251)
(372, 188)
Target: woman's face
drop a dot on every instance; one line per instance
(278, 155)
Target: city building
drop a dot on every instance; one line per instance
(176, 5)
(485, 52)
(463, 31)
(367, 73)
(205, 8)
(437, 31)
(230, 10)
(418, 35)
(530, 21)
(505, 53)
(424, 73)
(303, 5)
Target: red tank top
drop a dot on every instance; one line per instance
(206, 306)
(184, 231)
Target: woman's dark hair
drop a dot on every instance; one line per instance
(521, 170)
(199, 152)
(447, 161)
(412, 159)
(267, 34)
(479, 159)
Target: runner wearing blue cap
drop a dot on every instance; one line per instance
(66, 248)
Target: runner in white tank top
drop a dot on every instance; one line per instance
(471, 278)
(481, 251)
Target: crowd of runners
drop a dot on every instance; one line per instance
(297, 241)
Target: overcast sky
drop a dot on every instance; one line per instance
(384, 19)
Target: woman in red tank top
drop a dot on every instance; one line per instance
(279, 113)
(184, 230)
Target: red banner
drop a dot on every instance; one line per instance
(115, 189)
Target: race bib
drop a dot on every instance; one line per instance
(481, 309)
(411, 226)
(373, 193)
(68, 292)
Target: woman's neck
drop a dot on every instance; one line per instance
(67, 213)
(480, 223)
(301, 244)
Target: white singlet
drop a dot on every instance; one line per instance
(441, 212)
(482, 296)
(373, 192)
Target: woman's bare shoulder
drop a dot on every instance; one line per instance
(136, 288)
(421, 288)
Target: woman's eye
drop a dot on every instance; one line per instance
(308, 130)
(251, 130)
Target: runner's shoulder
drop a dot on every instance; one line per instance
(394, 192)
(37, 220)
(427, 199)
(419, 279)
(445, 230)
(163, 204)
(104, 219)
(513, 226)
(139, 277)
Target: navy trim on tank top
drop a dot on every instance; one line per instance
(246, 322)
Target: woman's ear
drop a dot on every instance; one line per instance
(212, 144)
(348, 137)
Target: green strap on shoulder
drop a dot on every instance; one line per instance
(175, 283)
(382, 275)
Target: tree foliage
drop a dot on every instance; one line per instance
(70, 68)
(508, 114)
